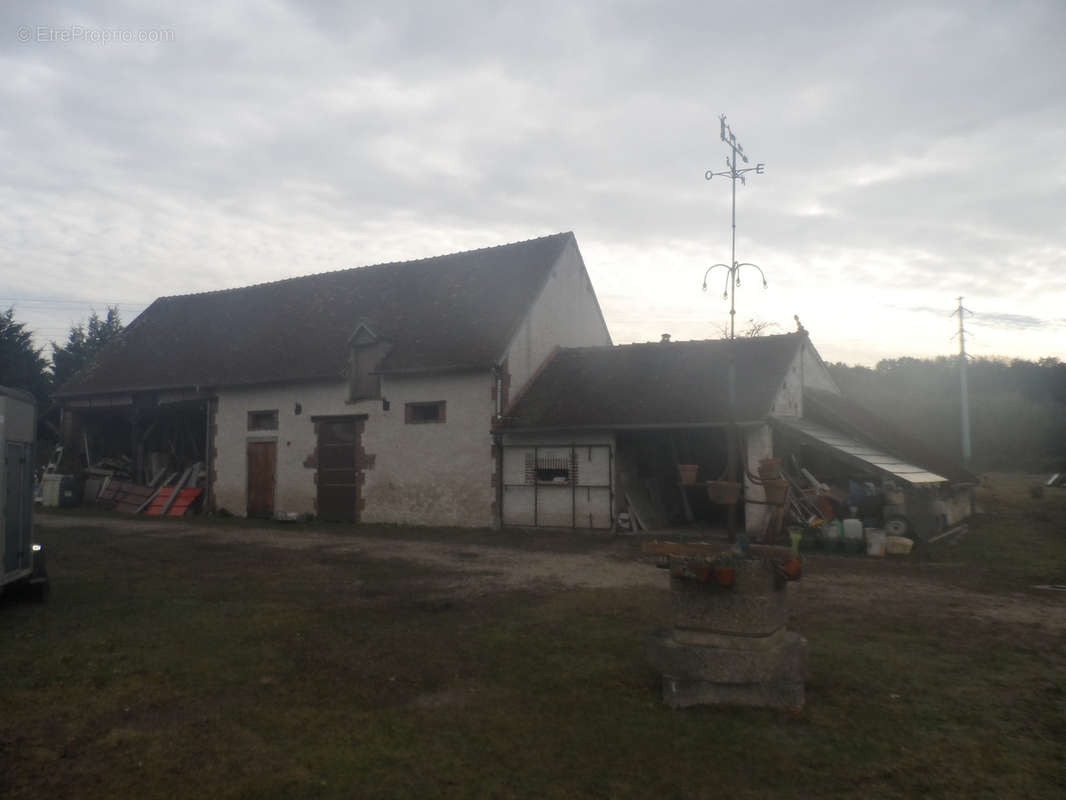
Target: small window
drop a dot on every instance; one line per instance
(557, 468)
(418, 413)
(263, 420)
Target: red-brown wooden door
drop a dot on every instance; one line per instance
(262, 459)
(338, 471)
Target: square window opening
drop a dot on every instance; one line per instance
(421, 413)
(263, 420)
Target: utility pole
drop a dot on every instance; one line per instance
(965, 394)
(734, 175)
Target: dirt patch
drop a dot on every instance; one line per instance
(477, 569)
(926, 597)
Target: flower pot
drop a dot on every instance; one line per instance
(724, 575)
(775, 491)
(688, 473)
(723, 492)
(770, 468)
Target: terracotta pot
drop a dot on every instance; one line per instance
(770, 468)
(723, 492)
(724, 575)
(775, 491)
(688, 473)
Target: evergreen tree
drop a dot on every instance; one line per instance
(21, 364)
(83, 342)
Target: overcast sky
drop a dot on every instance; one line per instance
(914, 152)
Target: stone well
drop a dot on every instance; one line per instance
(728, 644)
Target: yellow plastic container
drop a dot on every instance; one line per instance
(898, 545)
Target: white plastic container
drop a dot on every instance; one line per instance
(875, 542)
(853, 529)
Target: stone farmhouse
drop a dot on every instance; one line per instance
(365, 394)
(474, 389)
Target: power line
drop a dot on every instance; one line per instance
(49, 302)
(964, 389)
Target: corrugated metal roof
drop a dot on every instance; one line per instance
(841, 414)
(864, 452)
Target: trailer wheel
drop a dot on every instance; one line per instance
(899, 525)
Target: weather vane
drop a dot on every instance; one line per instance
(734, 174)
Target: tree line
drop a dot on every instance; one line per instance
(1017, 407)
(24, 366)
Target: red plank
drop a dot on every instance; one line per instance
(185, 498)
(160, 500)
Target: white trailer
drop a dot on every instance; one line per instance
(21, 561)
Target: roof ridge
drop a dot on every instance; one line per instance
(380, 265)
(679, 342)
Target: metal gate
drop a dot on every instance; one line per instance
(569, 485)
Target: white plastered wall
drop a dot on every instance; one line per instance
(423, 474)
(758, 444)
(294, 483)
(815, 375)
(806, 370)
(431, 473)
(566, 314)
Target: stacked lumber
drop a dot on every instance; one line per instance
(174, 496)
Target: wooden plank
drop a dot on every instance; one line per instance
(158, 500)
(177, 488)
(685, 507)
(961, 530)
(132, 498)
(633, 515)
(186, 497)
(147, 503)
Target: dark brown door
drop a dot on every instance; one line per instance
(338, 473)
(262, 456)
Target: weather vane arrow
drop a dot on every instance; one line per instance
(734, 174)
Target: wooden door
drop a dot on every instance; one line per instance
(262, 459)
(338, 472)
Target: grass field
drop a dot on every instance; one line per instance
(203, 666)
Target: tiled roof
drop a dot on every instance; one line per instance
(844, 415)
(655, 384)
(447, 312)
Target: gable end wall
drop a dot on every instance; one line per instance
(566, 314)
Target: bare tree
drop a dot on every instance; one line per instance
(752, 328)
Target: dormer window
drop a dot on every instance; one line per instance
(366, 352)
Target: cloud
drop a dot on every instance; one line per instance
(910, 149)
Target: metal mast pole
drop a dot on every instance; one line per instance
(733, 267)
(964, 388)
(733, 471)
(733, 244)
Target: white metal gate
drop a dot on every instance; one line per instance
(566, 486)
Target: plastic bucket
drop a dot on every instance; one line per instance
(875, 542)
